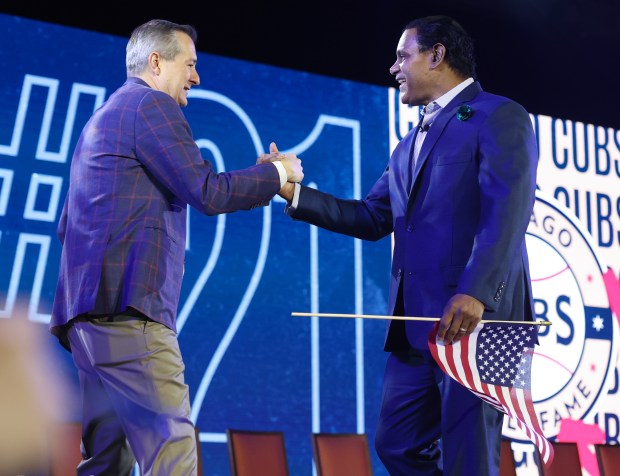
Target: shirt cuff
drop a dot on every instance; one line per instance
(281, 172)
(295, 200)
(290, 209)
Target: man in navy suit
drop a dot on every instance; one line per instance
(457, 194)
(135, 169)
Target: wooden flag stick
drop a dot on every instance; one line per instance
(406, 318)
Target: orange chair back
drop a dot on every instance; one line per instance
(566, 461)
(200, 470)
(256, 453)
(507, 466)
(608, 457)
(338, 454)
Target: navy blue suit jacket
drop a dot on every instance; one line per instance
(135, 169)
(461, 228)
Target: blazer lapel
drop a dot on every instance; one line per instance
(403, 162)
(439, 124)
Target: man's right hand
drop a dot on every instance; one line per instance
(294, 170)
(287, 191)
(291, 163)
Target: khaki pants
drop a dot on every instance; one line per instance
(135, 400)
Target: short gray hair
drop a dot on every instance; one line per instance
(155, 35)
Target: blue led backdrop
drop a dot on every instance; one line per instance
(249, 363)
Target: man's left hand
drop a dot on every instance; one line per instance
(460, 317)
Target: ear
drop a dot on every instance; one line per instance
(438, 54)
(154, 60)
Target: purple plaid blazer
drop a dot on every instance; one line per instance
(135, 169)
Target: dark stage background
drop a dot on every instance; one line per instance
(556, 57)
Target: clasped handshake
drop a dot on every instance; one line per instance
(292, 165)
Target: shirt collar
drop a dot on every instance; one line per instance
(444, 100)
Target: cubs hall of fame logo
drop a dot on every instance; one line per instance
(574, 361)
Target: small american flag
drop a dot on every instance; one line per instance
(494, 362)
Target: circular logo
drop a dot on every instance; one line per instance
(575, 358)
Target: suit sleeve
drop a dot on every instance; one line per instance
(164, 144)
(508, 160)
(367, 219)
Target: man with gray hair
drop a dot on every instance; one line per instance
(134, 171)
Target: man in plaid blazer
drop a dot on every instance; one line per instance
(135, 169)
